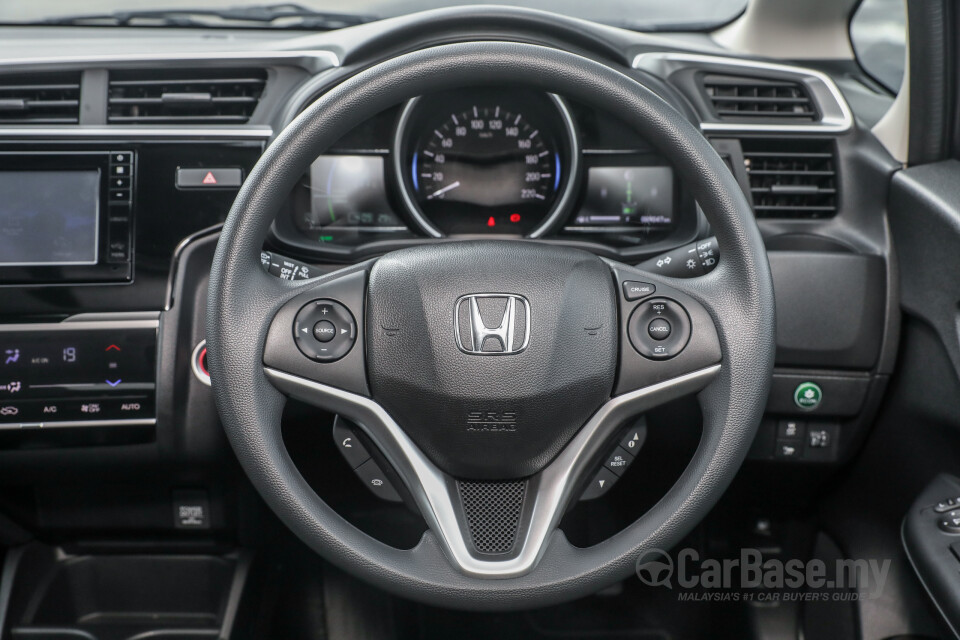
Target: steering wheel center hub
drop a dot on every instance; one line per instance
(491, 355)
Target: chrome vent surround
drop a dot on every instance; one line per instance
(792, 178)
(182, 96)
(493, 512)
(40, 98)
(750, 98)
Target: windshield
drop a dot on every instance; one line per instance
(648, 15)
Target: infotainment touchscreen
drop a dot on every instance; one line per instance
(49, 217)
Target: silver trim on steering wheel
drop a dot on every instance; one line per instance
(435, 492)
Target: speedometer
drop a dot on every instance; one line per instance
(483, 162)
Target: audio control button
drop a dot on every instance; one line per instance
(324, 330)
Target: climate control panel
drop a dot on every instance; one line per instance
(78, 374)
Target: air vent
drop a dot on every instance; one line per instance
(184, 97)
(40, 99)
(742, 98)
(791, 178)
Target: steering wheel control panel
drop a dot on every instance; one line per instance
(659, 328)
(619, 460)
(357, 454)
(325, 330)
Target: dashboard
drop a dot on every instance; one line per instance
(120, 169)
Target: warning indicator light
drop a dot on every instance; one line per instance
(491, 222)
(209, 178)
(514, 218)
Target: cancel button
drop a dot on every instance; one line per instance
(659, 329)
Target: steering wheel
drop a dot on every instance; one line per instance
(408, 357)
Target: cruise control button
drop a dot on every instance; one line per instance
(633, 290)
(601, 483)
(376, 480)
(659, 329)
(324, 331)
(618, 461)
(349, 445)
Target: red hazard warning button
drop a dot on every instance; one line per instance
(206, 178)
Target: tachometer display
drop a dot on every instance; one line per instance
(487, 166)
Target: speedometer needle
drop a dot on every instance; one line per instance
(440, 192)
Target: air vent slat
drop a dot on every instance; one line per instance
(184, 97)
(791, 178)
(743, 98)
(40, 99)
(201, 81)
(179, 119)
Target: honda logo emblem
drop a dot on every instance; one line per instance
(511, 335)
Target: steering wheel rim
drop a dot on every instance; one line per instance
(243, 302)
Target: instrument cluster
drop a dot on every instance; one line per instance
(487, 162)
